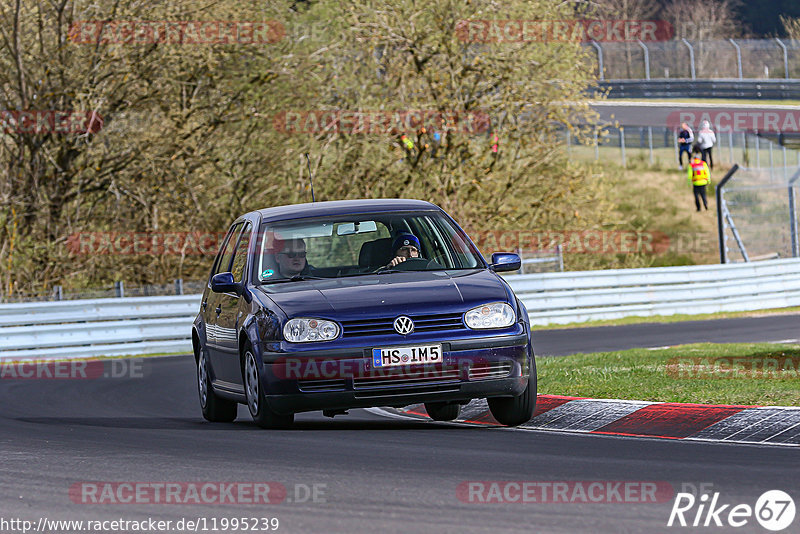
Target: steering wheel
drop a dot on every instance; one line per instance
(411, 264)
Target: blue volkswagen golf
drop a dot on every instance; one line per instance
(359, 303)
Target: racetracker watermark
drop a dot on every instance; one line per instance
(725, 120)
(379, 122)
(152, 243)
(777, 366)
(50, 121)
(580, 31)
(176, 32)
(72, 370)
(575, 241)
(205, 493)
(397, 365)
(566, 491)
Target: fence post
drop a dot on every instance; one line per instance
(691, 57)
(771, 164)
(723, 256)
(758, 151)
(560, 257)
(58, 293)
(785, 59)
(179, 286)
(646, 59)
(119, 287)
(599, 58)
(793, 214)
(738, 57)
(622, 144)
(675, 143)
(744, 149)
(596, 145)
(730, 143)
(650, 142)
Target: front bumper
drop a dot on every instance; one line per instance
(339, 379)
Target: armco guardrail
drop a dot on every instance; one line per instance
(688, 88)
(98, 327)
(553, 298)
(147, 325)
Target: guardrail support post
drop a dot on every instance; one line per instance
(723, 256)
(691, 58)
(622, 145)
(179, 286)
(119, 288)
(560, 258)
(58, 293)
(738, 57)
(730, 143)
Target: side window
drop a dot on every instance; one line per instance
(240, 259)
(226, 252)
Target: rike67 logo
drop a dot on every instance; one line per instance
(774, 510)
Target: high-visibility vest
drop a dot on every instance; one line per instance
(699, 172)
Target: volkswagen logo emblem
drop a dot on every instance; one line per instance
(403, 325)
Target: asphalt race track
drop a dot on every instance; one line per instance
(371, 471)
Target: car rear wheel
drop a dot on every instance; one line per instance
(256, 401)
(513, 411)
(442, 411)
(215, 409)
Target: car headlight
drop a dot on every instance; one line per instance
(304, 329)
(495, 315)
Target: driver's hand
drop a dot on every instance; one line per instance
(395, 261)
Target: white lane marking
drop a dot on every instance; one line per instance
(785, 341)
(659, 348)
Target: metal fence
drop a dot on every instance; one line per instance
(692, 59)
(655, 145)
(119, 289)
(757, 208)
(146, 325)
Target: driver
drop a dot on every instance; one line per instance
(292, 258)
(405, 246)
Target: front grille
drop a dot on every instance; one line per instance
(335, 384)
(407, 378)
(383, 326)
(486, 371)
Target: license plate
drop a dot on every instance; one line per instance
(396, 356)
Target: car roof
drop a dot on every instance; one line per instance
(343, 207)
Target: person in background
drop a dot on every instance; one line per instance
(685, 140)
(699, 176)
(706, 139)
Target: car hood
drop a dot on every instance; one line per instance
(421, 292)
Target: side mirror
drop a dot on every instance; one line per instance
(505, 261)
(223, 283)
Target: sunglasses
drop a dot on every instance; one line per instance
(294, 254)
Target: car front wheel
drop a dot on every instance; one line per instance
(256, 401)
(514, 411)
(442, 411)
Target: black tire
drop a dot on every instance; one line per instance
(443, 411)
(215, 409)
(256, 400)
(514, 411)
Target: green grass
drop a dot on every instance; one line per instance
(644, 374)
(677, 318)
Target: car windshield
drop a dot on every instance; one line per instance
(353, 245)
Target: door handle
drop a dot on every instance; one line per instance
(218, 310)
